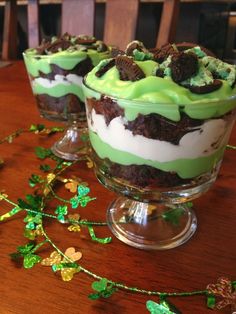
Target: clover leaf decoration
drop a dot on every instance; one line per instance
(27, 252)
(103, 289)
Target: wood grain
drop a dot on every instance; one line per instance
(120, 22)
(78, 16)
(9, 44)
(209, 254)
(33, 23)
(168, 23)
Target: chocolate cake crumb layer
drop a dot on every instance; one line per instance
(146, 176)
(61, 105)
(152, 126)
(157, 127)
(105, 106)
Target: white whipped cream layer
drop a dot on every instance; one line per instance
(204, 141)
(59, 80)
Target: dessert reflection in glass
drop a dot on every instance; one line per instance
(159, 122)
(56, 69)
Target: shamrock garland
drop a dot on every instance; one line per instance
(218, 295)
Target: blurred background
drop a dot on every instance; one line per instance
(209, 23)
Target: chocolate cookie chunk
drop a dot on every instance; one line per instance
(116, 52)
(134, 45)
(101, 46)
(128, 69)
(105, 68)
(183, 66)
(161, 54)
(85, 40)
(58, 45)
(205, 88)
(186, 45)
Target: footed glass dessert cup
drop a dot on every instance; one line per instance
(158, 158)
(56, 69)
(59, 97)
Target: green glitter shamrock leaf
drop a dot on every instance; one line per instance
(27, 252)
(33, 202)
(211, 301)
(36, 127)
(30, 260)
(33, 220)
(82, 198)
(45, 168)
(102, 289)
(156, 308)
(34, 180)
(61, 211)
(42, 152)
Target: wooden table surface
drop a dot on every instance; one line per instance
(211, 252)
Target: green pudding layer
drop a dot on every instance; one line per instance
(185, 168)
(59, 90)
(154, 94)
(64, 59)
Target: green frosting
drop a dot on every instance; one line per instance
(159, 95)
(59, 90)
(66, 60)
(185, 168)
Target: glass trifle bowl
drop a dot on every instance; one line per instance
(56, 69)
(158, 141)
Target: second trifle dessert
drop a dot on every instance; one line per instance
(56, 69)
(160, 118)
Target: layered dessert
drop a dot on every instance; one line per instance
(56, 68)
(160, 118)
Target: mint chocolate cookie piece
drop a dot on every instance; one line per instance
(205, 88)
(161, 54)
(134, 45)
(105, 66)
(58, 45)
(183, 66)
(186, 45)
(85, 40)
(128, 69)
